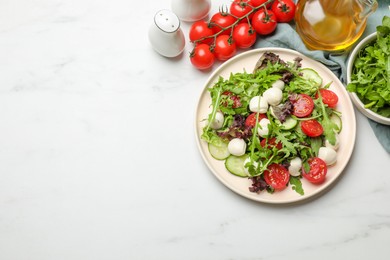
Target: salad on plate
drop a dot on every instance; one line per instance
(274, 125)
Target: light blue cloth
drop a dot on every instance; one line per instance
(285, 36)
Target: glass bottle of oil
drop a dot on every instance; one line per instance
(332, 25)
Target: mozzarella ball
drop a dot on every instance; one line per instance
(273, 96)
(218, 121)
(255, 164)
(335, 146)
(278, 84)
(262, 130)
(328, 155)
(295, 166)
(258, 104)
(237, 147)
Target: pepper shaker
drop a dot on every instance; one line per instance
(165, 34)
(191, 10)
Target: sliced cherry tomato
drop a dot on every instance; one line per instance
(317, 172)
(225, 47)
(264, 22)
(201, 57)
(312, 128)
(239, 8)
(199, 30)
(256, 3)
(284, 10)
(236, 100)
(272, 142)
(222, 20)
(328, 97)
(276, 176)
(250, 121)
(244, 36)
(303, 105)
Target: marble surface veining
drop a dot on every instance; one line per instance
(98, 157)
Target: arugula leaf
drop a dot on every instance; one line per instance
(296, 184)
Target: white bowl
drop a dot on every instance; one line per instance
(355, 99)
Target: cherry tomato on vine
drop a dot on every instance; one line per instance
(284, 10)
(240, 8)
(264, 22)
(328, 97)
(276, 176)
(256, 3)
(312, 128)
(225, 47)
(222, 20)
(244, 35)
(317, 172)
(202, 57)
(199, 30)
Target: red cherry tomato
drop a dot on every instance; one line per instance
(284, 10)
(236, 99)
(256, 3)
(303, 105)
(239, 8)
(250, 121)
(317, 172)
(312, 128)
(225, 47)
(264, 22)
(201, 57)
(199, 30)
(244, 36)
(329, 97)
(272, 142)
(221, 20)
(276, 176)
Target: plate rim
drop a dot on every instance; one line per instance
(197, 133)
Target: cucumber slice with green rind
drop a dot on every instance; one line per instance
(337, 120)
(290, 123)
(235, 165)
(220, 151)
(312, 75)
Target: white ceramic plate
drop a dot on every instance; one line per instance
(247, 61)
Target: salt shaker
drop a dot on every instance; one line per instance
(191, 10)
(165, 34)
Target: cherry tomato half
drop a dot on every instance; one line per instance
(264, 22)
(239, 8)
(244, 36)
(272, 142)
(303, 105)
(276, 176)
(328, 97)
(236, 99)
(312, 128)
(201, 57)
(199, 30)
(250, 121)
(221, 20)
(284, 10)
(225, 47)
(317, 172)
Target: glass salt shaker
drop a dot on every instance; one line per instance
(165, 34)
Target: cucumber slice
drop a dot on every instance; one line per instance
(235, 165)
(290, 123)
(312, 75)
(337, 120)
(220, 151)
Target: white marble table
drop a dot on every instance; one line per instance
(98, 158)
